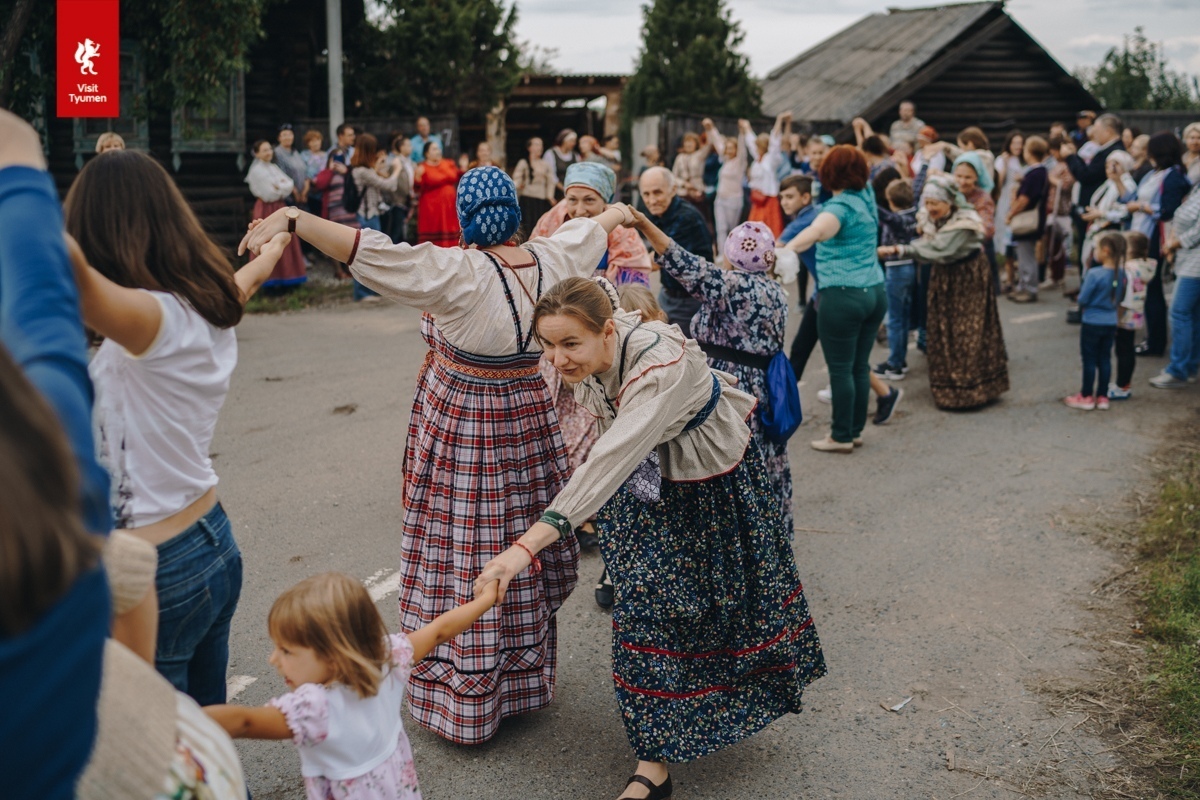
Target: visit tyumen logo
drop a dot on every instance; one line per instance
(89, 46)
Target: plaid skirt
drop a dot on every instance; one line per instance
(483, 460)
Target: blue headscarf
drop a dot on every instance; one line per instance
(985, 181)
(488, 210)
(593, 175)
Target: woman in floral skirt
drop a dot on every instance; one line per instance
(712, 639)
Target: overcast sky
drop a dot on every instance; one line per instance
(604, 37)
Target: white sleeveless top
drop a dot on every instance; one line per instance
(155, 414)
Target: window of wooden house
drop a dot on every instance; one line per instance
(218, 128)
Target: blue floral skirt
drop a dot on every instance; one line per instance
(712, 639)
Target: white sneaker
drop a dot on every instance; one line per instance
(1166, 380)
(825, 395)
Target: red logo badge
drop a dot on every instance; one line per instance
(89, 58)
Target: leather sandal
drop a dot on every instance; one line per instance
(660, 792)
(604, 591)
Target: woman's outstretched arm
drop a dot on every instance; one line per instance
(332, 238)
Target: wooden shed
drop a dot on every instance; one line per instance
(963, 64)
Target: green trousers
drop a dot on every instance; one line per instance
(846, 325)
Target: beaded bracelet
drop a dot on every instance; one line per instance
(534, 561)
(558, 522)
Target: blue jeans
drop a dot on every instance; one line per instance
(199, 580)
(361, 291)
(1185, 329)
(901, 283)
(1095, 346)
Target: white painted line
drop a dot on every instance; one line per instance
(382, 587)
(1021, 320)
(236, 685)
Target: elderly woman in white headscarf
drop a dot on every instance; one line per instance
(1106, 210)
(968, 364)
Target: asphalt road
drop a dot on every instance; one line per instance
(932, 560)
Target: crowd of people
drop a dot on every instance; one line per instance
(561, 404)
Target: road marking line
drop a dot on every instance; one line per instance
(236, 685)
(1021, 320)
(382, 587)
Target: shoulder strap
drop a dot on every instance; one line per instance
(523, 338)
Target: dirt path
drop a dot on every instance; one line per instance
(936, 562)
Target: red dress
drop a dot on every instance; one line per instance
(437, 220)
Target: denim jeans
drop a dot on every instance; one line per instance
(361, 291)
(1185, 329)
(847, 325)
(1095, 346)
(901, 284)
(199, 580)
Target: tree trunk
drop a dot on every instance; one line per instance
(9, 44)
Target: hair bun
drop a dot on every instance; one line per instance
(609, 290)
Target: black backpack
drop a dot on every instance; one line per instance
(351, 194)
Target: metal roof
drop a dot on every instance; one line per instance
(847, 73)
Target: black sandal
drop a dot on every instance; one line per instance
(660, 792)
(604, 591)
(587, 539)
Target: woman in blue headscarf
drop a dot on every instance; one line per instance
(484, 455)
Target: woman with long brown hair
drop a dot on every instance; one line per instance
(165, 299)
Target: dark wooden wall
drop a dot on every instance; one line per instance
(1007, 82)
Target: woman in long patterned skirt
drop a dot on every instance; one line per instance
(712, 639)
(741, 323)
(968, 363)
(484, 456)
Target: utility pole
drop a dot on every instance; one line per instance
(333, 27)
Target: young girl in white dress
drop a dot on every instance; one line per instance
(347, 677)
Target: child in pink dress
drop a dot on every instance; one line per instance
(347, 677)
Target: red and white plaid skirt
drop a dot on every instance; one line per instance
(483, 460)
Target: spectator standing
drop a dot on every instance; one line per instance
(109, 140)
(764, 174)
(293, 165)
(1141, 160)
(270, 187)
(683, 223)
(1139, 271)
(535, 181)
(1057, 241)
(653, 158)
(483, 156)
(1191, 152)
(1031, 197)
(1184, 245)
(339, 164)
(435, 179)
(853, 300)
(974, 140)
(1100, 295)
(1083, 123)
(395, 221)
(367, 170)
(314, 161)
(688, 168)
(1010, 168)
(1107, 209)
(1158, 196)
(731, 178)
(931, 153)
(975, 182)
(908, 126)
(561, 156)
(423, 137)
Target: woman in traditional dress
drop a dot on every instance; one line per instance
(561, 156)
(712, 639)
(968, 365)
(764, 173)
(483, 456)
(270, 187)
(590, 186)
(435, 180)
(741, 322)
(974, 179)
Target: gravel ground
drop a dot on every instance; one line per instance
(932, 560)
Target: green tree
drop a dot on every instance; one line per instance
(438, 56)
(690, 62)
(1135, 76)
(190, 48)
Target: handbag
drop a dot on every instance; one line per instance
(1025, 223)
(323, 179)
(646, 481)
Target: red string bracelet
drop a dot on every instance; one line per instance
(535, 562)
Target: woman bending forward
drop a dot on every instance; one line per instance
(712, 639)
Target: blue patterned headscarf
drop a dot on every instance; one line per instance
(488, 211)
(595, 176)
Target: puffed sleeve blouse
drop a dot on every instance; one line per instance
(667, 382)
(461, 287)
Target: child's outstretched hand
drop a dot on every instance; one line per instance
(489, 593)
